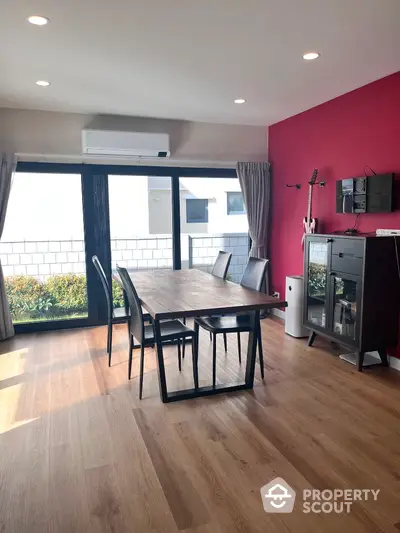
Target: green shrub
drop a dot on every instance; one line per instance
(118, 296)
(68, 291)
(27, 295)
(60, 295)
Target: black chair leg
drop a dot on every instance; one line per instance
(214, 359)
(141, 371)
(130, 356)
(109, 342)
(197, 334)
(183, 341)
(260, 352)
(225, 343)
(179, 355)
(195, 361)
(239, 347)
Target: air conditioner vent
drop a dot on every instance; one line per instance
(125, 144)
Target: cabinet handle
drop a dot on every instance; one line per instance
(329, 240)
(341, 255)
(333, 273)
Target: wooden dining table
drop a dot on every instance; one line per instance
(169, 294)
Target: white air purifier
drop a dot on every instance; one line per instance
(294, 309)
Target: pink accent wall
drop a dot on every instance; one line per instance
(339, 138)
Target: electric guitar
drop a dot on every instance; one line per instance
(309, 223)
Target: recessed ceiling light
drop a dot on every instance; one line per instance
(240, 101)
(43, 83)
(309, 56)
(38, 20)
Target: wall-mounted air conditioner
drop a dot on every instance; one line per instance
(125, 144)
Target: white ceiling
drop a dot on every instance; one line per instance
(189, 59)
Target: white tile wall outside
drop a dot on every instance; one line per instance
(77, 246)
(37, 259)
(61, 257)
(30, 247)
(55, 257)
(66, 246)
(44, 269)
(18, 248)
(55, 269)
(32, 270)
(43, 247)
(20, 270)
(5, 248)
(54, 246)
(73, 257)
(25, 259)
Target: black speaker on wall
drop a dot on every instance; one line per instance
(380, 193)
(365, 195)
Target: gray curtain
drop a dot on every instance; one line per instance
(7, 167)
(255, 182)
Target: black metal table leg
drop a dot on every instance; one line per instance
(160, 363)
(252, 349)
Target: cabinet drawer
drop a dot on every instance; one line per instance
(354, 247)
(348, 264)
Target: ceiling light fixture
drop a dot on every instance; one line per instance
(43, 83)
(240, 101)
(38, 20)
(309, 56)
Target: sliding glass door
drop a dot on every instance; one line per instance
(43, 248)
(140, 210)
(213, 218)
(141, 218)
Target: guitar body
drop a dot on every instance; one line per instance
(310, 227)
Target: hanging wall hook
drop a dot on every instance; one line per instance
(298, 186)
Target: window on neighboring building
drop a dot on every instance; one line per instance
(235, 205)
(196, 210)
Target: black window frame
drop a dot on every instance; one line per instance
(94, 179)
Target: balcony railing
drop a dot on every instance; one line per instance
(46, 280)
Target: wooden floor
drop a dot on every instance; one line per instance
(80, 453)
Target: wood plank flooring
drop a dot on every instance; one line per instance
(80, 453)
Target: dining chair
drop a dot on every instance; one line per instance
(221, 265)
(252, 279)
(114, 316)
(171, 330)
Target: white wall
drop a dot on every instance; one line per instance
(52, 136)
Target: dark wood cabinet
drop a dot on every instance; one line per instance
(351, 291)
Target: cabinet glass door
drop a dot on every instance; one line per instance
(345, 291)
(317, 293)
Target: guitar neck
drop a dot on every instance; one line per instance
(309, 212)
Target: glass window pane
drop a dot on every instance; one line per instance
(345, 307)
(317, 287)
(196, 210)
(201, 240)
(235, 204)
(140, 224)
(42, 248)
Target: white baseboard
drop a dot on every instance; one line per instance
(394, 362)
(279, 313)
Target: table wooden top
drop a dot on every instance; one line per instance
(189, 293)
